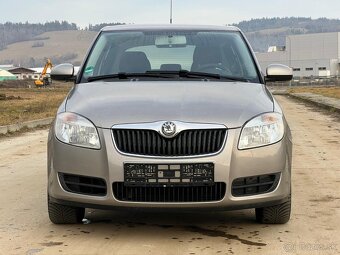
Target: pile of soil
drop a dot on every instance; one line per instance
(17, 84)
(4, 97)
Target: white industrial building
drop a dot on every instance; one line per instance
(316, 55)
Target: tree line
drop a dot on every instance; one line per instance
(261, 33)
(308, 24)
(17, 32)
(266, 32)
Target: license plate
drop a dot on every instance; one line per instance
(168, 174)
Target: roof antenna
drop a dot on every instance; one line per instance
(170, 11)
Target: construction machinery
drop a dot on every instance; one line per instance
(44, 79)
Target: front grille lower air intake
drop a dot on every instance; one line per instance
(186, 143)
(85, 185)
(174, 194)
(255, 185)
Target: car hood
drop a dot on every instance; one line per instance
(110, 103)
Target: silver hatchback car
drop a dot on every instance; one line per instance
(170, 117)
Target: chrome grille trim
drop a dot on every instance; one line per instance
(180, 127)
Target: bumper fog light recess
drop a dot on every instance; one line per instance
(84, 185)
(255, 185)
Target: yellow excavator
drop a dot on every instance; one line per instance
(44, 79)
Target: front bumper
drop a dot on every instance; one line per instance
(107, 163)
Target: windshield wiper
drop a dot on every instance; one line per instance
(216, 76)
(124, 76)
(189, 74)
(166, 75)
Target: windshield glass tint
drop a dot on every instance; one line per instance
(215, 52)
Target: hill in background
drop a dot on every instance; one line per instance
(266, 32)
(18, 32)
(25, 44)
(60, 46)
(29, 45)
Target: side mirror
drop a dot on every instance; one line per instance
(277, 72)
(63, 72)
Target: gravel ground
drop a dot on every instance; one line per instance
(313, 229)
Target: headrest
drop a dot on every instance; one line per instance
(134, 62)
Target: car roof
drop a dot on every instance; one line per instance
(169, 27)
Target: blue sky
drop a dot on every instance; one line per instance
(217, 12)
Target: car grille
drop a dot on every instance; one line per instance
(255, 185)
(172, 194)
(83, 185)
(186, 143)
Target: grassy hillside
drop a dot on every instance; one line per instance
(266, 32)
(60, 46)
(71, 45)
(17, 32)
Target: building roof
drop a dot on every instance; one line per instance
(321, 34)
(5, 75)
(16, 69)
(19, 70)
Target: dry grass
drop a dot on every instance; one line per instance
(324, 91)
(33, 104)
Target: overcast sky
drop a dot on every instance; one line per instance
(217, 12)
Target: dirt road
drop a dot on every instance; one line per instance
(313, 229)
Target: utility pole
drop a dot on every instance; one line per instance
(170, 11)
(290, 56)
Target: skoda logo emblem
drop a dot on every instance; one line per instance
(168, 129)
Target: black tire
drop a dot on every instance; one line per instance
(46, 83)
(62, 214)
(277, 214)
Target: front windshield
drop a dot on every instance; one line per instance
(138, 52)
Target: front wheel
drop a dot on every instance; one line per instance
(62, 214)
(277, 214)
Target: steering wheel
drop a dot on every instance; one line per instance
(213, 68)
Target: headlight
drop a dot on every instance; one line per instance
(263, 130)
(73, 129)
